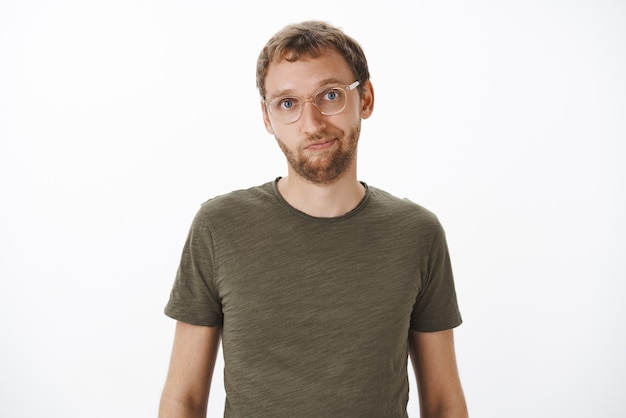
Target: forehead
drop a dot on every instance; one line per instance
(307, 74)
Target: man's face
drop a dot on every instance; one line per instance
(318, 148)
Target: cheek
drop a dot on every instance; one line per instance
(356, 108)
(283, 134)
(355, 113)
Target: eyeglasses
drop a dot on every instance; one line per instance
(328, 100)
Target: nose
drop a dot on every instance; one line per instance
(311, 119)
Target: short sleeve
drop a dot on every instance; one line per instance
(436, 307)
(194, 297)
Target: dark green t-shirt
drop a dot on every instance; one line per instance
(315, 311)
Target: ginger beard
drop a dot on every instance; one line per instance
(325, 167)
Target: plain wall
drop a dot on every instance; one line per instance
(118, 118)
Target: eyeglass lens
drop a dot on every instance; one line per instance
(329, 102)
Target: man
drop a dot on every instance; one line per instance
(318, 285)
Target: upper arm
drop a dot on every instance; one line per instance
(436, 372)
(191, 368)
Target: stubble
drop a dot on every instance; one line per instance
(324, 168)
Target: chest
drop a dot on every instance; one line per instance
(279, 280)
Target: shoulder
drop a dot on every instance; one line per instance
(237, 204)
(403, 210)
(244, 197)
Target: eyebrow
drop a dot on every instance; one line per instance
(291, 92)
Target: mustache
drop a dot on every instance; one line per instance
(325, 135)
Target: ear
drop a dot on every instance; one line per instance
(367, 100)
(266, 119)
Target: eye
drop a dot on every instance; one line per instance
(330, 95)
(286, 103)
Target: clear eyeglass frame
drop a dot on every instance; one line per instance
(291, 116)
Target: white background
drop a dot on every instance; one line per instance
(118, 118)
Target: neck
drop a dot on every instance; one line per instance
(322, 200)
